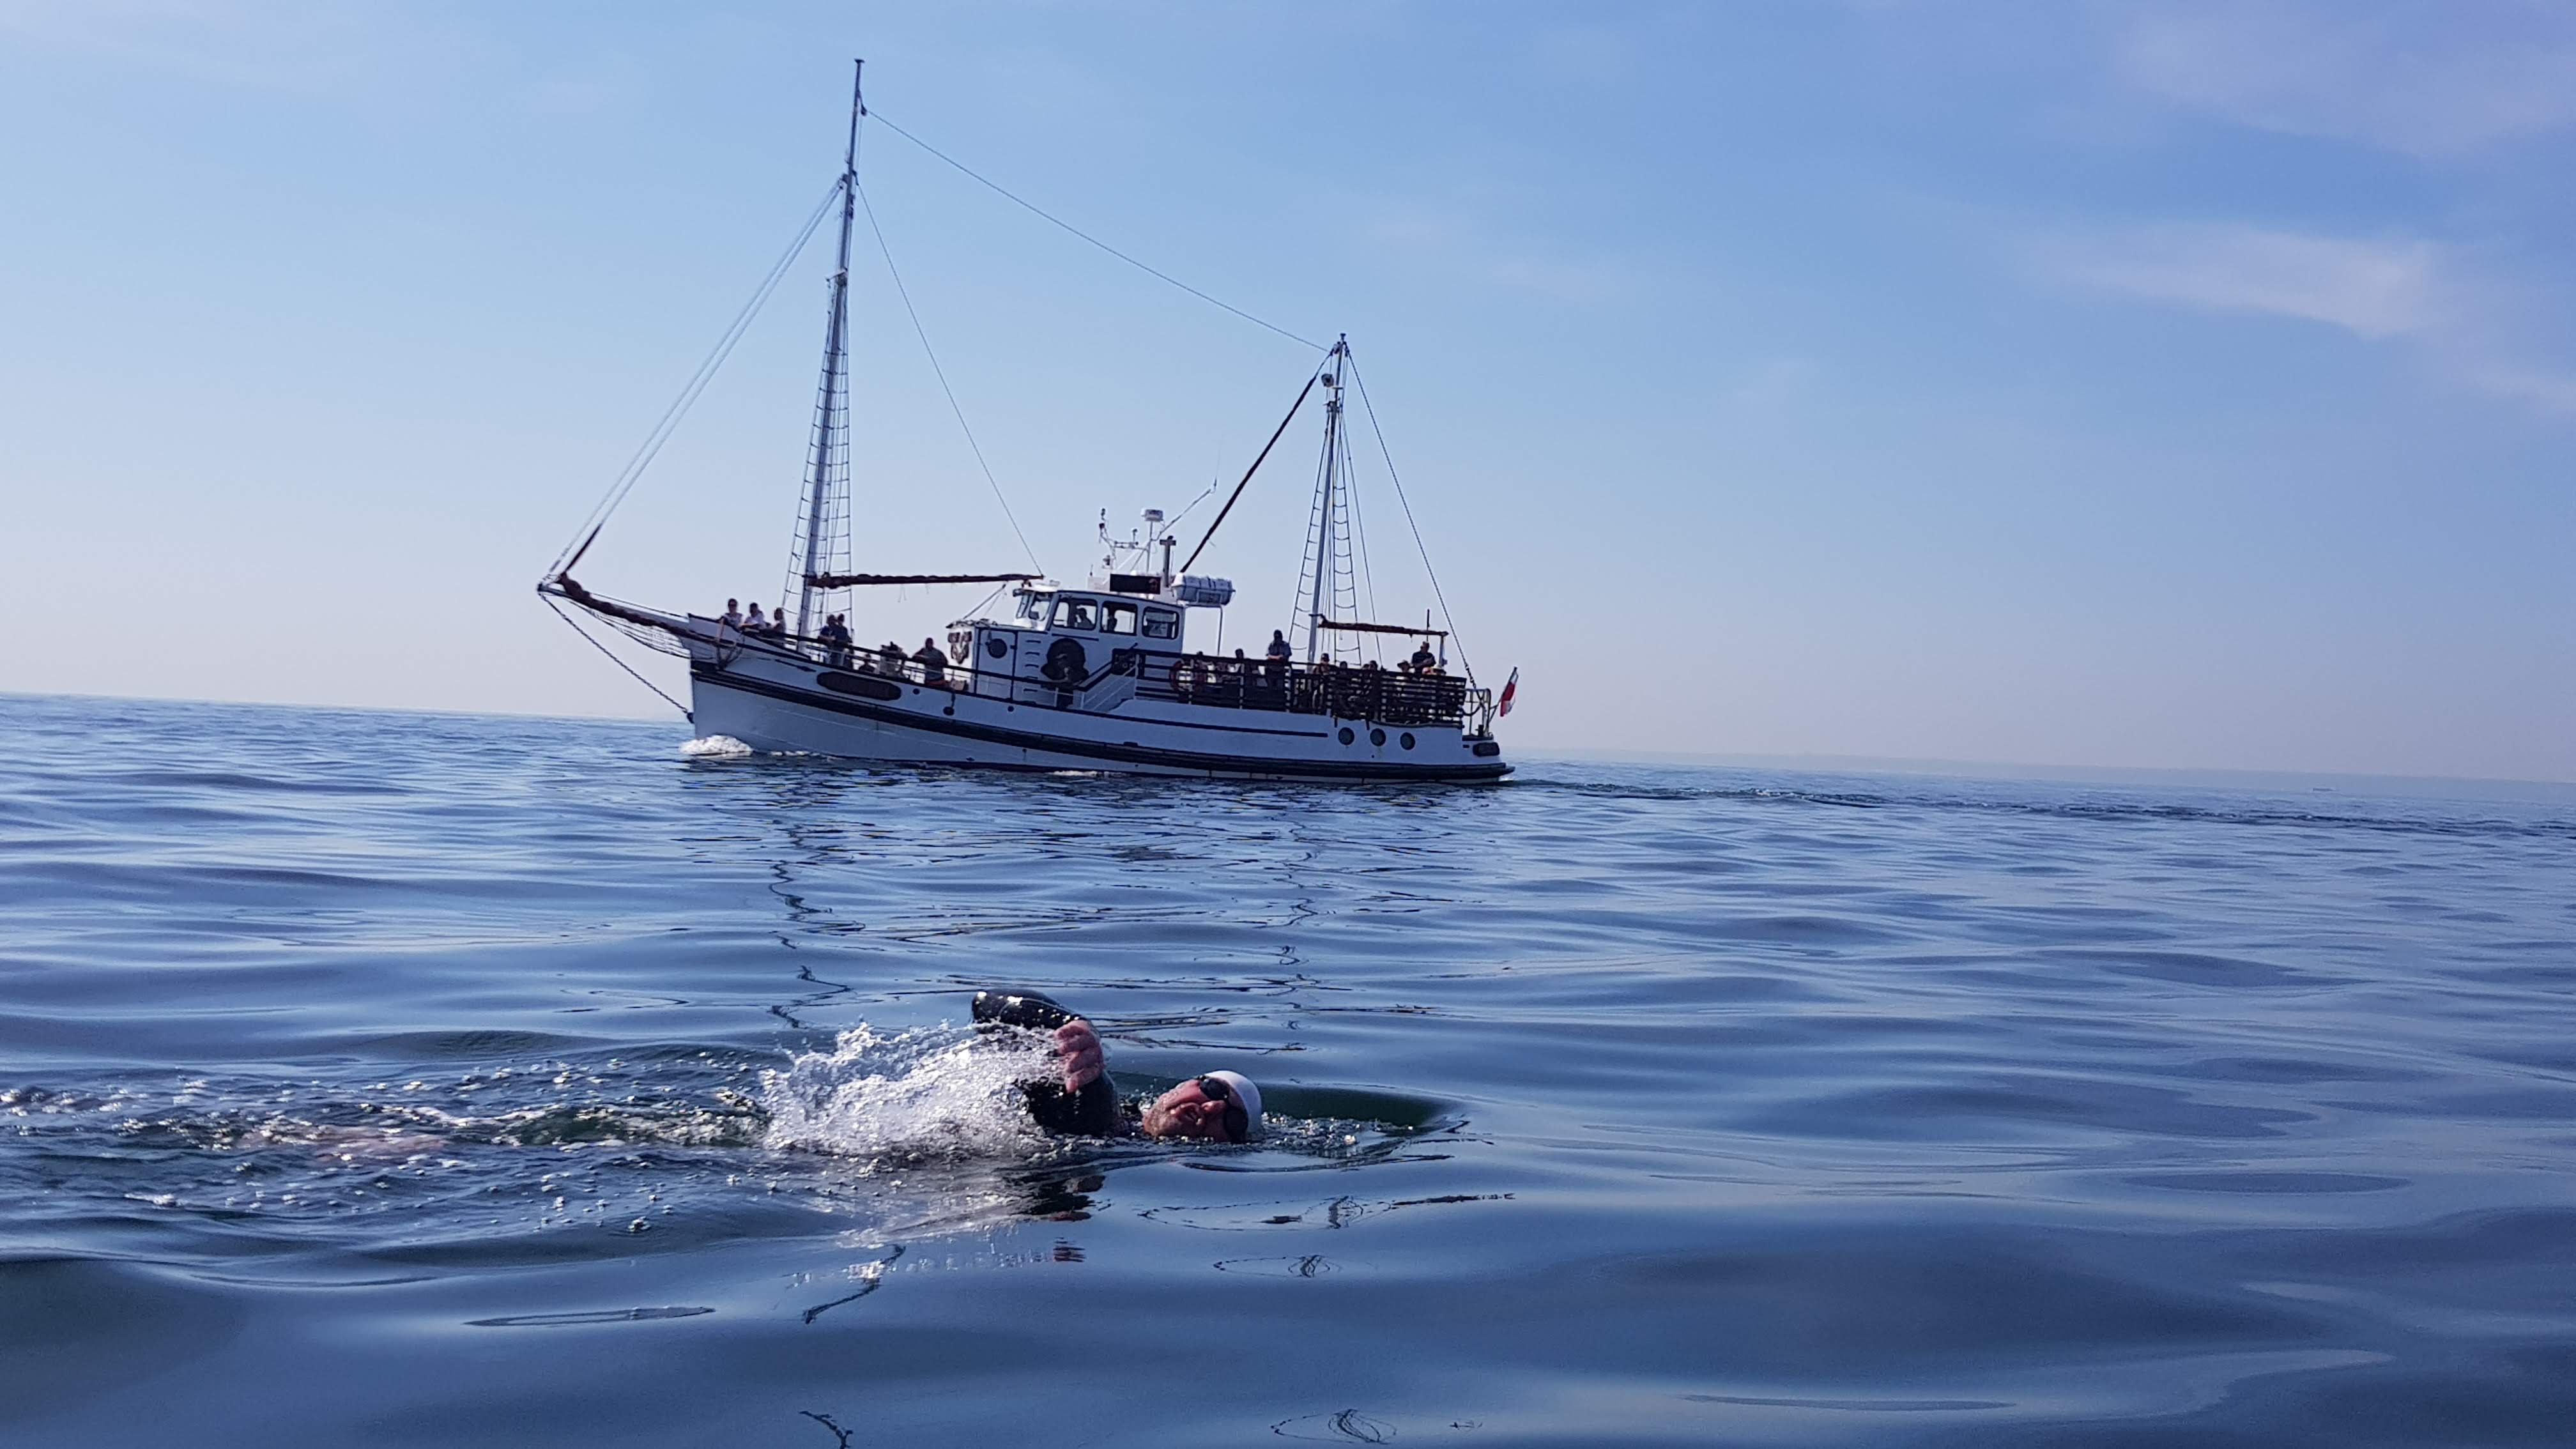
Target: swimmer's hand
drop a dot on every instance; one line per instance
(1079, 1048)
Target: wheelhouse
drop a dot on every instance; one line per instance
(1082, 614)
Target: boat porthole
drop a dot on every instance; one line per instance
(996, 648)
(1405, 739)
(1347, 736)
(1377, 737)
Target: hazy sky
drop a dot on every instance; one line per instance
(2186, 385)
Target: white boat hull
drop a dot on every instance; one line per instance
(776, 702)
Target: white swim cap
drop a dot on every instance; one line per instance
(1246, 1093)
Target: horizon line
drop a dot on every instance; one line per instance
(1821, 762)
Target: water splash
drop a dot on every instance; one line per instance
(930, 1094)
(715, 747)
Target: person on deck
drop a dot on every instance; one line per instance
(933, 661)
(1424, 661)
(836, 642)
(757, 626)
(733, 615)
(1276, 657)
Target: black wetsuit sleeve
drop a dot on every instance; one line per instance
(1091, 1112)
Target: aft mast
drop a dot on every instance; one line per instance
(822, 544)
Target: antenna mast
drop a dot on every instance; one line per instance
(814, 553)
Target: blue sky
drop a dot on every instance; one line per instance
(2183, 385)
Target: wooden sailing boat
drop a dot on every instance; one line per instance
(1095, 677)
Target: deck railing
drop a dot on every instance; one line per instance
(1378, 696)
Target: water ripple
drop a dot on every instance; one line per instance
(1623, 1103)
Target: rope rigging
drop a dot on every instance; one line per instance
(1255, 468)
(942, 373)
(1351, 367)
(613, 659)
(697, 383)
(1367, 579)
(1184, 515)
(588, 530)
(998, 189)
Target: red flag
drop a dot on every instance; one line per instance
(1510, 686)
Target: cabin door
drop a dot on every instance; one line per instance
(996, 656)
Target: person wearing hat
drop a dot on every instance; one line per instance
(1221, 1106)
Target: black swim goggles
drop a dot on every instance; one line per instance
(1238, 1123)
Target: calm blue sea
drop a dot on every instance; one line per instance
(428, 1080)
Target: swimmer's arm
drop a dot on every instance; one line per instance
(1077, 1048)
(1078, 1052)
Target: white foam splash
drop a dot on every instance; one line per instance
(930, 1094)
(715, 747)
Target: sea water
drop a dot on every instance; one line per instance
(386, 1079)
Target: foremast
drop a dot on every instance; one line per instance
(1328, 539)
(822, 545)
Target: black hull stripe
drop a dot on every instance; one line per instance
(1121, 754)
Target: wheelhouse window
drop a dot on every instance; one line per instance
(1118, 618)
(1076, 614)
(1033, 608)
(1162, 624)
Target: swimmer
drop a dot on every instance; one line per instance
(1215, 1107)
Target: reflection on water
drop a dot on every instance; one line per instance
(492, 1082)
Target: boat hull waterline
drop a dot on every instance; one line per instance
(776, 704)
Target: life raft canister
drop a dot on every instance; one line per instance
(1065, 661)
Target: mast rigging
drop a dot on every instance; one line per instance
(815, 552)
(1327, 497)
(1255, 468)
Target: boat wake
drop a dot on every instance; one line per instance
(715, 747)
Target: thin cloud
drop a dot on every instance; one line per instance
(2371, 288)
(2551, 392)
(2426, 79)
(2379, 289)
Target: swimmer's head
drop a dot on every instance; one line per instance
(1218, 1107)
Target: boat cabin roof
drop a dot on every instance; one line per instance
(1058, 610)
